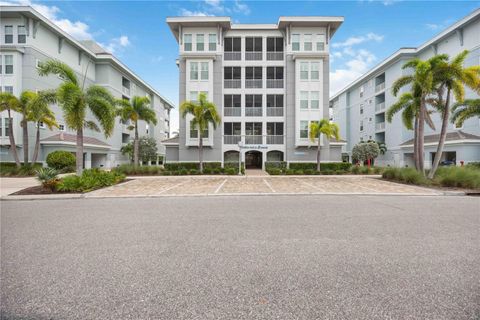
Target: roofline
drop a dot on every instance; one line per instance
(413, 50)
(105, 56)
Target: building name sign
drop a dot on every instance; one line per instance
(254, 147)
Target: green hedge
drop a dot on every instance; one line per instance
(175, 166)
(9, 169)
(131, 170)
(91, 179)
(282, 165)
(327, 166)
(61, 160)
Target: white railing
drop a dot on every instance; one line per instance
(380, 87)
(380, 126)
(274, 55)
(232, 112)
(232, 55)
(253, 83)
(274, 112)
(256, 55)
(274, 83)
(274, 139)
(126, 91)
(232, 83)
(235, 139)
(253, 111)
(380, 106)
(253, 139)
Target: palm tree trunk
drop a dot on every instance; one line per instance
(200, 152)
(13, 146)
(25, 141)
(415, 144)
(135, 146)
(421, 138)
(79, 161)
(318, 154)
(37, 145)
(443, 136)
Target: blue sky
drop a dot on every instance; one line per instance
(136, 32)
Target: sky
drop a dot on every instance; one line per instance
(136, 31)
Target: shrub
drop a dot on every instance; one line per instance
(274, 171)
(303, 166)
(458, 177)
(207, 171)
(290, 172)
(331, 166)
(406, 175)
(48, 177)
(299, 172)
(10, 169)
(91, 179)
(194, 171)
(183, 172)
(355, 169)
(309, 171)
(282, 165)
(191, 165)
(129, 169)
(231, 171)
(61, 160)
(217, 170)
(473, 165)
(327, 172)
(234, 165)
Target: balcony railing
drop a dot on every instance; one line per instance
(236, 55)
(253, 111)
(232, 112)
(235, 139)
(253, 139)
(274, 83)
(274, 139)
(274, 112)
(253, 83)
(380, 87)
(256, 55)
(274, 55)
(126, 91)
(380, 106)
(380, 126)
(232, 83)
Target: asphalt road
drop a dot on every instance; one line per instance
(263, 257)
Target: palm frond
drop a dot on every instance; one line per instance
(58, 68)
(400, 83)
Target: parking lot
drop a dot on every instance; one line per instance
(261, 185)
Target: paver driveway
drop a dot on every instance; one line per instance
(177, 186)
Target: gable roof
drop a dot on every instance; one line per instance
(451, 136)
(66, 138)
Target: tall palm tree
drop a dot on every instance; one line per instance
(453, 77)
(329, 130)
(461, 111)
(24, 107)
(40, 112)
(204, 113)
(9, 102)
(138, 109)
(76, 101)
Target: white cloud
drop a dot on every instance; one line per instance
(116, 44)
(241, 8)
(188, 13)
(438, 26)
(216, 7)
(358, 39)
(213, 2)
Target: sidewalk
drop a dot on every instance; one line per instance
(11, 185)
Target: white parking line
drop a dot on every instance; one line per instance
(268, 185)
(220, 186)
(311, 185)
(173, 187)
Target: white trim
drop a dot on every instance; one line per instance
(463, 141)
(74, 144)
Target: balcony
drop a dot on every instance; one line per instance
(253, 83)
(275, 83)
(235, 139)
(380, 126)
(256, 55)
(379, 87)
(126, 91)
(232, 83)
(274, 55)
(380, 107)
(274, 139)
(254, 139)
(274, 112)
(253, 111)
(232, 55)
(232, 112)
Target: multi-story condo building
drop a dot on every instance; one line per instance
(360, 108)
(268, 81)
(27, 39)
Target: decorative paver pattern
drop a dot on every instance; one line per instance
(224, 185)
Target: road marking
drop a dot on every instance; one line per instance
(220, 186)
(268, 185)
(311, 185)
(173, 187)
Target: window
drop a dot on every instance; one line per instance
(303, 70)
(232, 101)
(315, 70)
(8, 123)
(22, 34)
(295, 42)
(205, 133)
(193, 70)
(61, 127)
(253, 128)
(253, 73)
(314, 99)
(200, 42)
(187, 42)
(275, 44)
(8, 64)
(361, 109)
(320, 42)
(232, 73)
(307, 42)
(362, 89)
(232, 128)
(193, 95)
(275, 128)
(253, 44)
(275, 73)
(212, 42)
(303, 99)
(8, 89)
(361, 125)
(233, 45)
(274, 100)
(204, 70)
(303, 129)
(253, 101)
(1, 127)
(193, 131)
(8, 34)
(1, 64)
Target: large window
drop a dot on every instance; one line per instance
(204, 71)
(233, 44)
(232, 128)
(314, 99)
(253, 44)
(232, 77)
(303, 99)
(8, 64)
(8, 89)
(303, 129)
(212, 42)
(274, 100)
(303, 70)
(275, 44)
(200, 42)
(1, 65)
(315, 70)
(274, 77)
(193, 70)
(253, 77)
(253, 101)
(232, 101)
(320, 42)
(8, 34)
(187, 42)
(193, 130)
(307, 42)
(295, 42)
(253, 128)
(275, 128)
(22, 34)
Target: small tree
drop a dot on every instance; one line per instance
(365, 152)
(9, 103)
(329, 130)
(147, 149)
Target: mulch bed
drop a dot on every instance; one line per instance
(39, 190)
